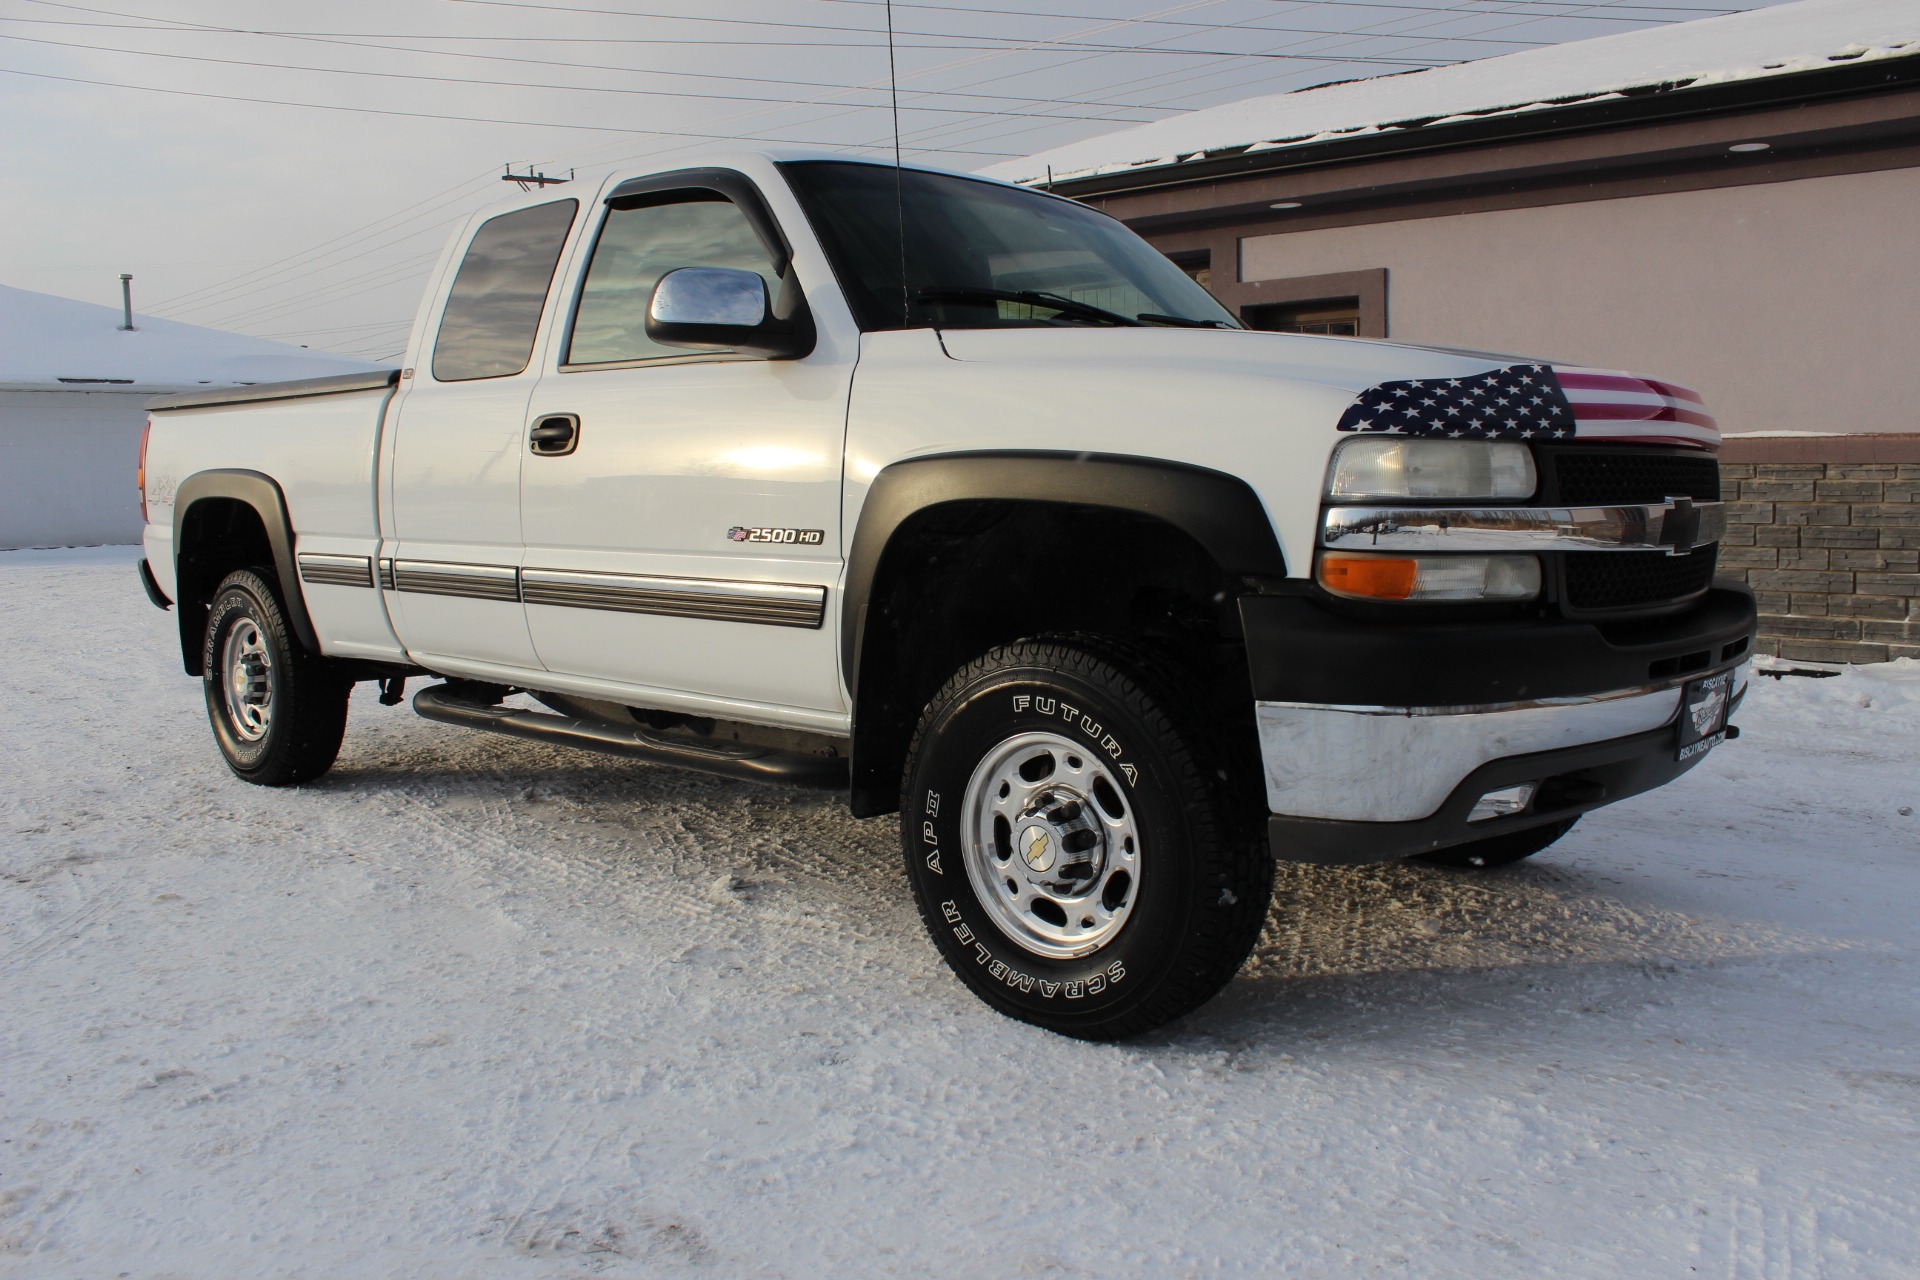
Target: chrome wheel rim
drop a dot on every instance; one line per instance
(246, 680)
(1051, 846)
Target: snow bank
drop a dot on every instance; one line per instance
(1777, 40)
(1881, 698)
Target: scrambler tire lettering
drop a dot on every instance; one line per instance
(1001, 971)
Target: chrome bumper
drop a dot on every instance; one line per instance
(1400, 764)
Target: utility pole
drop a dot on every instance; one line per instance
(529, 180)
(126, 302)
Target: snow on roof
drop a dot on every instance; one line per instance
(50, 343)
(1778, 40)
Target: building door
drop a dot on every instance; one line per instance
(460, 439)
(688, 541)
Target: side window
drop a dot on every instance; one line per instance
(494, 307)
(639, 245)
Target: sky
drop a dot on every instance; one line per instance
(291, 170)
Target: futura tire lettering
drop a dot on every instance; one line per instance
(1075, 718)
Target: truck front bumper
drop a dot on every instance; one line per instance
(1352, 779)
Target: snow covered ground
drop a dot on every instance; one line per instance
(469, 1007)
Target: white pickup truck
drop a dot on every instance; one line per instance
(959, 496)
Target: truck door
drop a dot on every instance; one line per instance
(684, 538)
(459, 441)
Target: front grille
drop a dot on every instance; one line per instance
(1597, 580)
(1597, 477)
(1624, 581)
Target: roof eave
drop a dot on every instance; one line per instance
(1633, 107)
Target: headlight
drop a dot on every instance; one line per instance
(1397, 468)
(1442, 577)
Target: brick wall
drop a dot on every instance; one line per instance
(1826, 530)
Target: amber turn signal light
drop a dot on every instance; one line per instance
(1369, 577)
(1450, 576)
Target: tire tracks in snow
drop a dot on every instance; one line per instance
(68, 928)
(670, 843)
(1771, 1230)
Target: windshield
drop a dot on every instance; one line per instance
(983, 255)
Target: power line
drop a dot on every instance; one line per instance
(1343, 4)
(1088, 51)
(932, 131)
(244, 295)
(362, 43)
(512, 84)
(211, 297)
(253, 312)
(1412, 13)
(433, 202)
(816, 26)
(342, 328)
(452, 79)
(1154, 22)
(434, 115)
(991, 56)
(986, 42)
(1049, 44)
(655, 15)
(1442, 13)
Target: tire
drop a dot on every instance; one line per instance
(278, 712)
(1139, 883)
(1497, 851)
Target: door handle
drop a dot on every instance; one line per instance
(555, 435)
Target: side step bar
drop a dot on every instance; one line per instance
(729, 759)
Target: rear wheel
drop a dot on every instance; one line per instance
(1498, 851)
(278, 712)
(1077, 846)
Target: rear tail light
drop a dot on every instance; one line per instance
(140, 475)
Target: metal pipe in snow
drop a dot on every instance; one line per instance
(126, 302)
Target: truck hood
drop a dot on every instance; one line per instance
(1388, 387)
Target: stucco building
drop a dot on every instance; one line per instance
(1733, 203)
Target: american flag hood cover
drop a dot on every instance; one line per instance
(1537, 402)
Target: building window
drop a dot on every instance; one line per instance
(1198, 266)
(1339, 316)
(1352, 303)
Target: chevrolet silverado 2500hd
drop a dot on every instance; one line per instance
(961, 497)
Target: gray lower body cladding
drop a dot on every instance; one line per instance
(777, 604)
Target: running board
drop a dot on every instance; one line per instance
(728, 759)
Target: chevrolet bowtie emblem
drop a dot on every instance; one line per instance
(1680, 527)
(1039, 849)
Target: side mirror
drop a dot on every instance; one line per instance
(722, 309)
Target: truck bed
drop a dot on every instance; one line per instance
(329, 386)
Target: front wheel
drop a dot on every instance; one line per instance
(277, 711)
(1076, 841)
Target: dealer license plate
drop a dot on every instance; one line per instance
(1703, 715)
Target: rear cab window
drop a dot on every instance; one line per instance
(493, 310)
